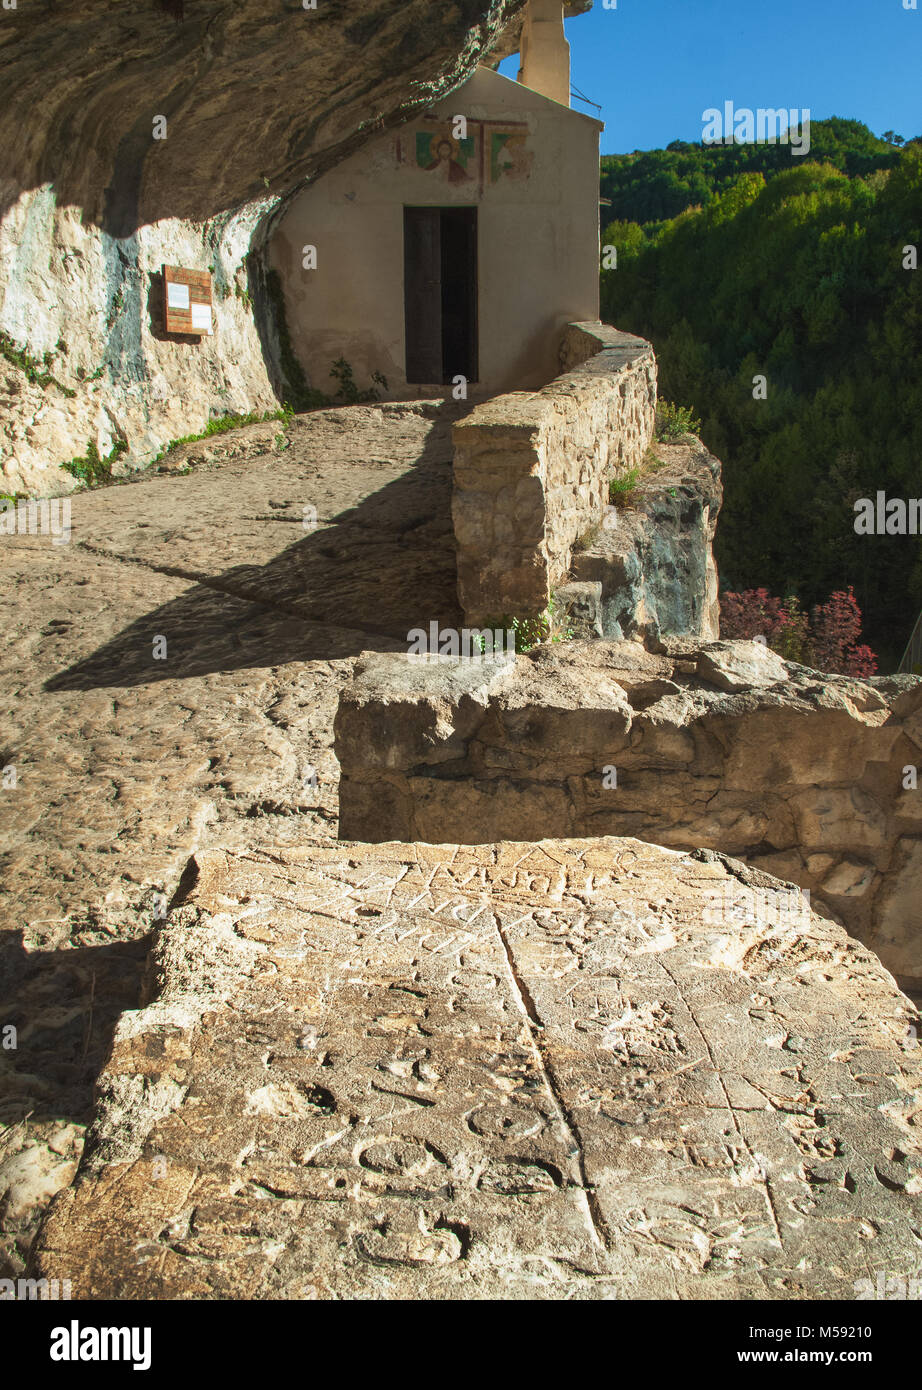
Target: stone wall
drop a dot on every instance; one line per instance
(722, 746)
(532, 470)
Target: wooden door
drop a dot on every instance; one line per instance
(458, 231)
(422, 294)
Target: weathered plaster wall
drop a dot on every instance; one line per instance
(532, 470)
(722, 746)
(538, 242)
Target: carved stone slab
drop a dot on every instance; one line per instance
(593, 1069)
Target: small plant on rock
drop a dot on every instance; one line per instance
(220, 424)
(620, 489)
(35, 370)
(92, 469)
(348, 392)
(532, 632)
(674, 421)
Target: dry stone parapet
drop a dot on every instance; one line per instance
(531, 470)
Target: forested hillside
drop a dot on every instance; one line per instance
(742, 262)
(654, 185)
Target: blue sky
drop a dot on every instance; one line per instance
(655, 65)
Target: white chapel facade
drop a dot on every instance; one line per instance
(459, 245)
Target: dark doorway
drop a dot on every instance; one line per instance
(440, 293)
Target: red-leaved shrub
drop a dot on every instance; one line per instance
(753, 613)
(826, 640)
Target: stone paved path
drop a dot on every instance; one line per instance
(317, 1084)
(126, 763)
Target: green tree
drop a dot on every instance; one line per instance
(794, 273)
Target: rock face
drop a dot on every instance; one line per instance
(93, 303)
(652, 557)
(511, 1071)
(97, 196)
(532, 469)
(723, 745)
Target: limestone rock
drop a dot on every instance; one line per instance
(653, 554)
(721, 745)
(214, 71)
(580, 606)
(741, 666)
(513, 1071)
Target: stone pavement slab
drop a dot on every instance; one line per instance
(500, 1071)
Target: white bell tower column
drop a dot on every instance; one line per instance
(545, 53)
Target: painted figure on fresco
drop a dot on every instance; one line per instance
(509, 155)
(438, 150)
